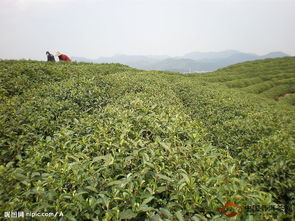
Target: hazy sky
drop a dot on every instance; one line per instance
(94, 28)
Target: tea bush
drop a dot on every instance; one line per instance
(271, 78)
(108, 142)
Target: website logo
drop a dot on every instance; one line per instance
(228, 206)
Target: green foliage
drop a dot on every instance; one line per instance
(108, 142)
(270, 78)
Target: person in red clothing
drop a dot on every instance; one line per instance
(62, 57)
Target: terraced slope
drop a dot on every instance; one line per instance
(108, 142)
(271, 78)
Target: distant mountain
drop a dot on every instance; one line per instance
(182, 65)
(191, 62)
(136, 61)
(82, 59)
(276, 54)
(210, 55)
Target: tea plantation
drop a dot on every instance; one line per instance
(109, 142)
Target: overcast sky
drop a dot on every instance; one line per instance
(94, 28)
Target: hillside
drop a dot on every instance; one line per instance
(110, 142)
(269, 78)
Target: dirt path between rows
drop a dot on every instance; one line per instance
(284, 95)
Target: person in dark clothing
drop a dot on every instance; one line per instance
(62, 57)
(50, 57)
